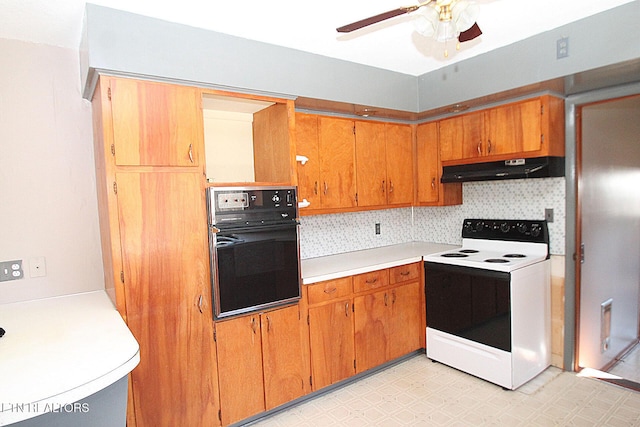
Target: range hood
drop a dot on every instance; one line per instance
(537, 167)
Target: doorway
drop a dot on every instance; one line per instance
(607, 245)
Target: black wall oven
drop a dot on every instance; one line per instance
(254, 246)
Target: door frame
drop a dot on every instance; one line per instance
(573, 108)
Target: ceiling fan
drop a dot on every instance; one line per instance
(441, 19)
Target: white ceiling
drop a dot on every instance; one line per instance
(310, 25)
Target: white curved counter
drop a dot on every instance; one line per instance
(57, 351)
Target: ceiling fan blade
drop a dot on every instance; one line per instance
(375, 19)
(470, 34)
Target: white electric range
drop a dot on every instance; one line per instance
(488, 302)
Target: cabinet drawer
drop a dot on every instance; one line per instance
(373, 280)
(405, 273)
(329, 290)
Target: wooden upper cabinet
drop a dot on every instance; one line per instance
(514, 128)
(336, 143)
(155, 124)
(399, 149)
(430, 191)
(528, 128)
(428, 163)
(371, 163)
(462, 137)
(307, 146)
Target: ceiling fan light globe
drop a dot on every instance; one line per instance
(446, 31)
(426, 21)
(464, 14)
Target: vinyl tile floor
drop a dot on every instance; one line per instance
(418, 392)
(629, 366)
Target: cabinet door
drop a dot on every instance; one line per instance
(239, 343)
(399, 149)
(428, 163)
(285, 378)
(371, 329)
(462, 137)
(331, 338)
(307, 145)
(155, 124)
(405, 328)
(165, 267)
(371, 164)
(337, 162)
(514, 128)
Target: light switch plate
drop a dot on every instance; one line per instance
(37, 267)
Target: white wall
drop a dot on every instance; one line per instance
(48, 202)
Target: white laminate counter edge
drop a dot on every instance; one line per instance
(351, 263)
(60, 350)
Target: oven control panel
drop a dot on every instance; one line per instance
(248, 206)
(506, 229)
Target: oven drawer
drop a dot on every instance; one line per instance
(329, 290)
(373, 280)
(405, 273)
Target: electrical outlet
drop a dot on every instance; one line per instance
(548, 214)
(562, 47)
(377, 228)
(11, 270)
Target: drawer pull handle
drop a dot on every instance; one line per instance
(200, 304)
(386, 299)
(405, 273)
(330, 291)
(191, 153)
(346, 309)
(371, 282)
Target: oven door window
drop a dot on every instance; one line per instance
(470, 303)
(256, 268)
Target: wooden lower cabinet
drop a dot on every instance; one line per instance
(388, 324)
(331, 340)
(372, 332)
(364, 320)
(406, 319)
(260, 362)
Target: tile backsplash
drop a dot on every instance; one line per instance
(513, 199)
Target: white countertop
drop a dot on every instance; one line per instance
(347, 264)
(57, 351)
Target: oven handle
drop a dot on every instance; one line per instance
(253, 228)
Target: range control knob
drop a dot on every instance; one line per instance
(504, 227)
(522, 228)
(275, 198)
(535, 230)
(479, 225)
